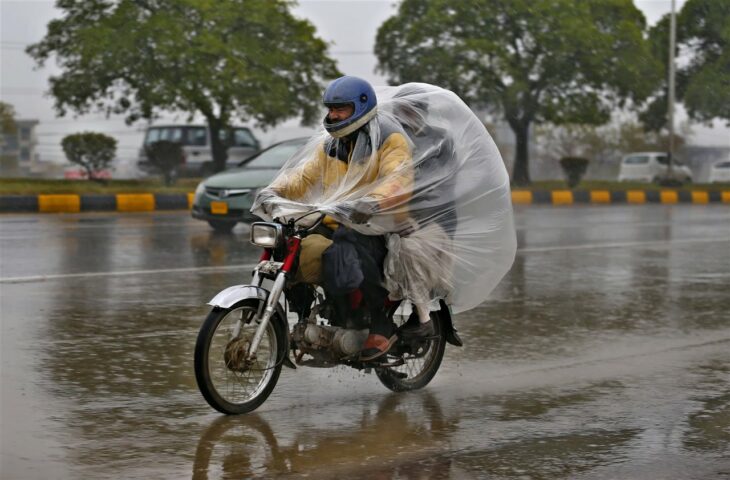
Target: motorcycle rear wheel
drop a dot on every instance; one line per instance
(419, 368)
(228, 382)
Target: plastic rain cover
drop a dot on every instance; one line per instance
(434, 182)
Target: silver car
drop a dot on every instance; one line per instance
(650, 167)
(225, 199)
(720, 172)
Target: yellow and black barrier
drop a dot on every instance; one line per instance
(148, 202)
(604, 197)
(74, 203)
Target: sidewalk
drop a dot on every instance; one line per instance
(148, 202)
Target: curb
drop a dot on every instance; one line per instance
(73, 203)
(597, 197)
(148, 202)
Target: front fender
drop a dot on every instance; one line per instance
(232, 295)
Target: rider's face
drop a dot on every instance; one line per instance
(339, 113)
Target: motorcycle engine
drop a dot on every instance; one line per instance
(327, 345)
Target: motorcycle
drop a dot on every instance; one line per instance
(245, 340)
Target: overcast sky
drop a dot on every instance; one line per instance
(350, 26)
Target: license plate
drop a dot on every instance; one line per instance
(219, 208)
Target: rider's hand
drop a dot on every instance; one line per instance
(363, 210)
(266, 199)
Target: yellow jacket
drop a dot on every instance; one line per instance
(391, 172)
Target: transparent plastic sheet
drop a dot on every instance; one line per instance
(429, 177)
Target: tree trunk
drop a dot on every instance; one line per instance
(521, 171)
(90, 175)
(218, 148)
(169, 177)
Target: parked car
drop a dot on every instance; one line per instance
(720, 172)
(225, 199)
(197, 152)
(649, 167)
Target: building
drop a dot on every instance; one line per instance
(18, 150)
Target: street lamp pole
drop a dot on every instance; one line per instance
(670, 110)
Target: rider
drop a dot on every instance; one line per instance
(367, 162)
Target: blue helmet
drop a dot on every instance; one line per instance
(353, 91)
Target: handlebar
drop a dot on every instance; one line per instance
(314, 226)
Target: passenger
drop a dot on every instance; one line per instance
(418, 258)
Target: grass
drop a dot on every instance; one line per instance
(29, 186)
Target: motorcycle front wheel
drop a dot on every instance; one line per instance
(229, 381)
(420, 362)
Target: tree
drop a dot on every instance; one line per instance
(8, 163)
(574, 168)
(166, 157)
(702, 82)
(228, 59)
(559, 61)
(91, 151)
(603, 144)
(7, 119)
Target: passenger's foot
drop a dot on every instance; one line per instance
(421, 330)
(376, 346)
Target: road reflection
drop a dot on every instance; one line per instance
(400, 439)
(709, 425)
(548, 458)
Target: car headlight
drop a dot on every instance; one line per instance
(267, 235)
(200, 189)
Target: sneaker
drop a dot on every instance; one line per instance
(376, 346)
(420, 331)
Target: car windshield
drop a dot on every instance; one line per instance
(170, 134)
(242, 138)
(636, 160)
(197, 136)
(275, 156)
(188, 136)
(238, 137)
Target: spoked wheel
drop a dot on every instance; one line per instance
(421, 360)
(230, 382)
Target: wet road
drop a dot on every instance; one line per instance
(605, 353)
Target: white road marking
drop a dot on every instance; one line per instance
(123, 273)
(648, 243)
(557, 248)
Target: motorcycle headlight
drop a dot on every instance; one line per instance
(267, 235)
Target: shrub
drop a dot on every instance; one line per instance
(166, 157)
(92, 151)
(574, 169)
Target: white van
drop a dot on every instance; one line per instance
(195, 140)
(720, 172)
(649, 167)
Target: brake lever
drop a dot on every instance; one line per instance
(317, 223)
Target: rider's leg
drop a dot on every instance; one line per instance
(309, 269)
(372, 250)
